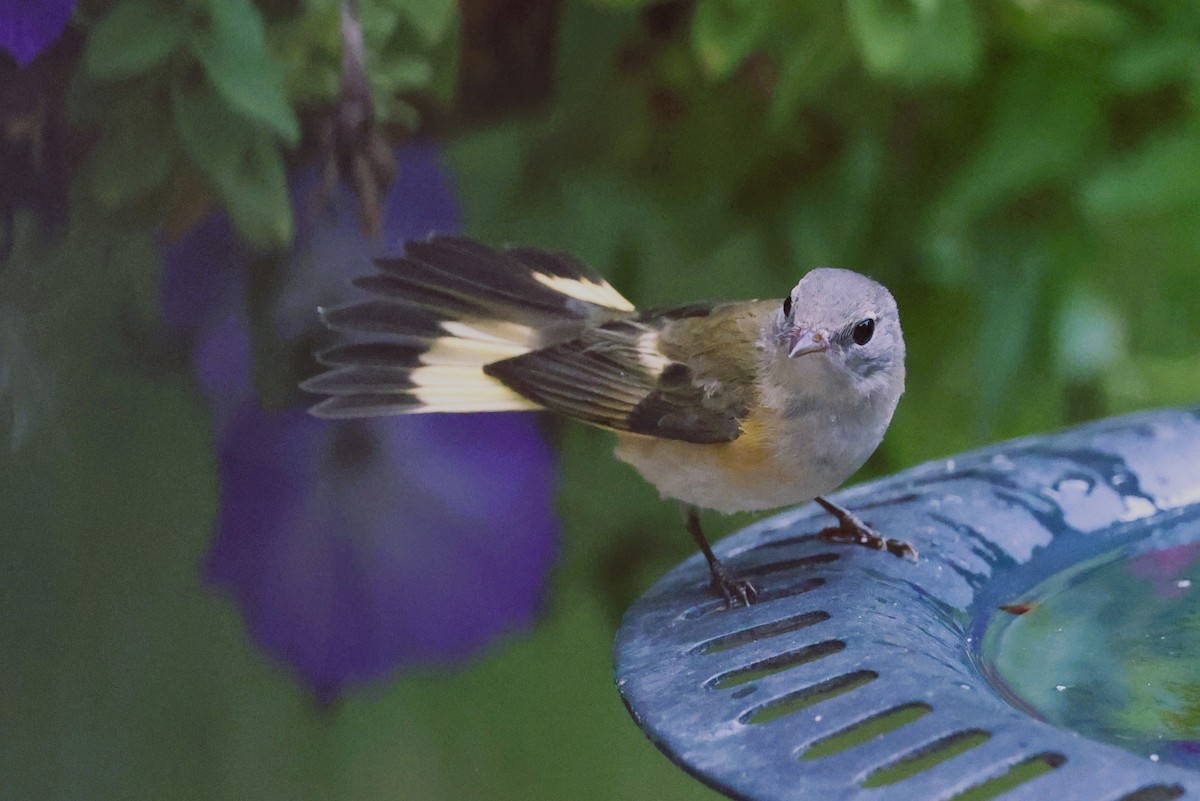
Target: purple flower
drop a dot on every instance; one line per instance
(356, 548)
(27, 27)
(329, 247)
(203, 275)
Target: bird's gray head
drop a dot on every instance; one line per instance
(847, 321)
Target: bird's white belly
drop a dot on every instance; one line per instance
(750, 473)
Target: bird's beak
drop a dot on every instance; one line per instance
(806, 340)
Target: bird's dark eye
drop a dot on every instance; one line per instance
(863, 331)
(787, 305)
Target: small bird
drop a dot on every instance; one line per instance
(737, 406)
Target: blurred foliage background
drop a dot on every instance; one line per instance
(1023, 174)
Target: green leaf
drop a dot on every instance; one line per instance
(725, 32)
(1146, 64)
(131, 159)
(398, 112)
(1006, 324)
(917, 41)
(394, 79)
(134, 37)
(1160, 176)
(259, 202)
(379, 21)
(244, 165)
(134, 150)
(412, 50)
(211, 133)
(829, 218)
(406, 73)
(1045, 122)
(588, 36)
(309, 46)
(431, 18)
(810, 51)
(444, 58)
(231, 44)
(1047, 24)
(1143, 380)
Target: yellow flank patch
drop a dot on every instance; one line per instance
(600, 293)
(745, 457)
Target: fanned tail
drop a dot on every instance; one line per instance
(442, 312)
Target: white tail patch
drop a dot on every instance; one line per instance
(456, 352)
(451, 377)
(497, 331)
(463, 389)
(468, 378)
(600, 293)
(453, 406)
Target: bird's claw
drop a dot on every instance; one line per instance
(853, 531)
(735, 591)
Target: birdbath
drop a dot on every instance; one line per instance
(1046, 644)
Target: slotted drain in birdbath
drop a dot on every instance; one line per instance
(858, 675)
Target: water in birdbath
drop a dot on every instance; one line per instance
(1111, 649)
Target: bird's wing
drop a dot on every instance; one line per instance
(685, 373)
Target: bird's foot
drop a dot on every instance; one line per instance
(735, 591)
(853, 531)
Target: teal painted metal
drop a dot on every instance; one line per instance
(863, 633)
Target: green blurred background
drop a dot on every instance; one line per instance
(1023, 174)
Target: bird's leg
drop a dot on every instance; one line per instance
(734, 590)
(851, 529)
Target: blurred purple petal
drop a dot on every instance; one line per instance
(27, 27)
(202, 292)
(356, 547)
(329, 248)
(223, 363)
(204, 274)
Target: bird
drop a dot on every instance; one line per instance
(725, 406)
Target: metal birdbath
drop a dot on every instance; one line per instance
(861, 676)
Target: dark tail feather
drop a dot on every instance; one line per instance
(442, 312)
